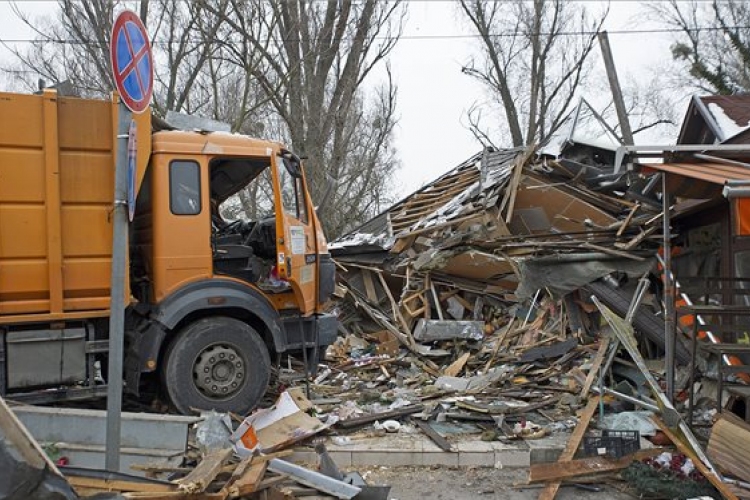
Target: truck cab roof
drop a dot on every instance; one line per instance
(219, 143)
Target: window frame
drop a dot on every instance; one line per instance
(171, 187)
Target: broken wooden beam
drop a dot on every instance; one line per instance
(366, 419)
(434, 435)
(571, 447)
(729, 444)
(560, 471)
(206, 471)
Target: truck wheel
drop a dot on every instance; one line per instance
(217, 363)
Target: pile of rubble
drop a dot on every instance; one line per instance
(488, 272)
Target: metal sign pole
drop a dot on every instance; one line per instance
(118, 292)
(132, 69)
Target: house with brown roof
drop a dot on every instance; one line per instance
(716, 119)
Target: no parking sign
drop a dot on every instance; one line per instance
(132, 62)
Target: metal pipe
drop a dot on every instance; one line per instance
(736, 192)
(333, 487)
(669, 338)
(659, 151)
(640, 292)
(531, 308)
(117, 293)
(719, 159)
(629, 399)
(614, 84)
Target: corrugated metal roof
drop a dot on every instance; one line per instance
(715, 173)
(698, 180)
(446, 198)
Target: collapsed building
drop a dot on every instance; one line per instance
(498, 278)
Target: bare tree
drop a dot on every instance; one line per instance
(293, 71)
(74, 47)
(311, 58)
(534, 57)
(713, 44)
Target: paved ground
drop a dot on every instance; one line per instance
(442, 483)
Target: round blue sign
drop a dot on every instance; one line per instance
(132, 62)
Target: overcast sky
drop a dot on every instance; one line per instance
(434, 95)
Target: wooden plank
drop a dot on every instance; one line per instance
(560, 471)
(248, 481)
(628, 219)
(14, 434)
(370, 286)
(402, 244)
(497, 410)
(549, 492)
(595, 365)
(175, 495)
(437, 301)
(729, 444)
(455, 368)
(357, 421)
(511, 190)
(270, 482)
(702, 468)
(103, 484)
(435, 227)
(396, 309)
(199, 479)
(434, 435)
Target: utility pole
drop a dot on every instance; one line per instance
(614, 84)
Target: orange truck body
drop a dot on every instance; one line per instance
(57, 159)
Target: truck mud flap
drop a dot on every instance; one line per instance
(645, 321)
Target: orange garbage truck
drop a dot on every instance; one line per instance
(228, 266)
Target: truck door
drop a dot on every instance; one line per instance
(297, 245)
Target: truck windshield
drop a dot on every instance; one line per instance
(252, 202)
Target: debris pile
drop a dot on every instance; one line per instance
(475, 283)
(505, 291)
(246, 459)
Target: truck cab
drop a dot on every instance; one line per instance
(228, 263)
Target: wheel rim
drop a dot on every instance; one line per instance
(219, 371)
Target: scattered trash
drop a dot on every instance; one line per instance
(280, 426)
(213, 432)
(388, 425)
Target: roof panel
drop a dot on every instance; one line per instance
(715, 173)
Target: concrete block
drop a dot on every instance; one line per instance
(512, 458)
(475, 447)
(476, 459)
(303, 457)
(341, 458)
(545, 455)
(547, 449)
(430, 447)
(389, 459)
(439, 457)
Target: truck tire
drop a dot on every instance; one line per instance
(217, 363)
